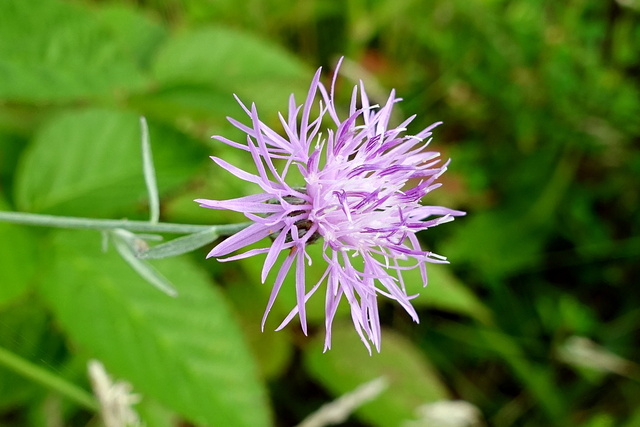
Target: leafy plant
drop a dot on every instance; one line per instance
(534, 322)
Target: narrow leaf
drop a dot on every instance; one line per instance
(126, 244)
(181, 245)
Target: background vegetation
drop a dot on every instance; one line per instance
(536, 319)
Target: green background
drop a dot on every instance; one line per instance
(541, 108)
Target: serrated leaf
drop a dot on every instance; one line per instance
(172, 103)
(233, 62)
(55, 50)
(412, 379)
(136, 32)
(186, 352)
(89, 163)
(197, 56)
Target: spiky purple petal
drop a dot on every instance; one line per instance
(362, 186)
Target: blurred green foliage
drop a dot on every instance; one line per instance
(541, 104)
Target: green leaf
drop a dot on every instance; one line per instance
(445, 292)
(274, 347)
(134, 31)
(412, 379)
(89, 163)
(26, 330)
(186, 352)
(10, 147)
(183, 103)
(233, 62)
(18, 262)
(18, 255)
(54, 50)
(154, 414)
(509, 244)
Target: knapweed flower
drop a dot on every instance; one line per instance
(359, 191)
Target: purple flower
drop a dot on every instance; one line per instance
(359, 197)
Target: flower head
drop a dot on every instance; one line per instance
(359, 197)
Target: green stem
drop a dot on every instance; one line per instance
(110, 224)
(149, 173)
(48, 380)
